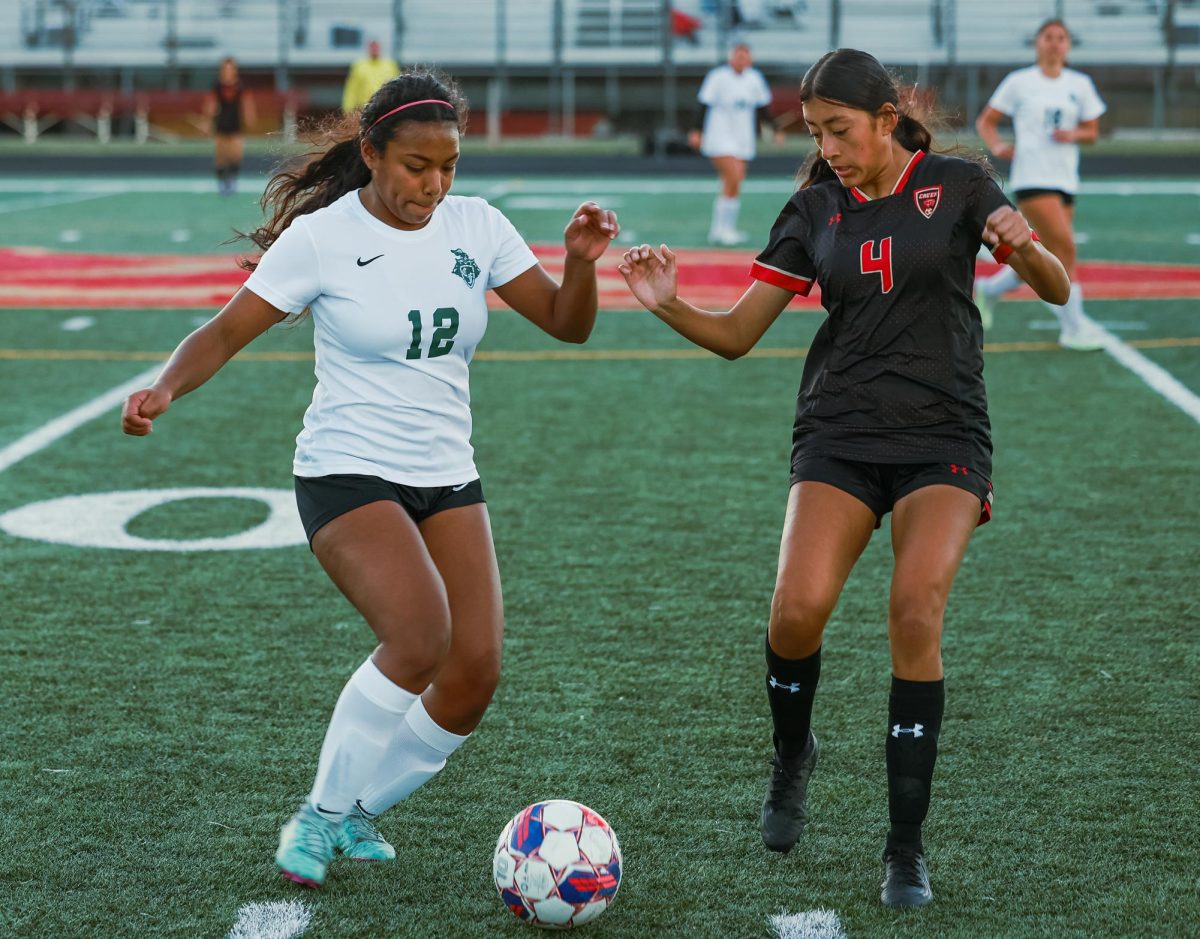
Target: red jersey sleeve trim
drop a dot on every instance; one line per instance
(1001, 252)
(778, 278)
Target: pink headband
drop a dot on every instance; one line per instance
(411, 104)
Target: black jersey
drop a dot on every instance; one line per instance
(895, 373)
(228, 119)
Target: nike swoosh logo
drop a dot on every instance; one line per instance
(362, 263)
(459, 488)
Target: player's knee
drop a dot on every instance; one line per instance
(469, 683)
(416, 638)
(915, 629)
(797, 620)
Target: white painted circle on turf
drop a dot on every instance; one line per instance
(99, 520)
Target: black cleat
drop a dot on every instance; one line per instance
(905, 879)
(783, 813)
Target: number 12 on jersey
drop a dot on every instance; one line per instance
(881, 263)
(445, 321)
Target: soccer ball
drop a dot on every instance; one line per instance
(557, 864)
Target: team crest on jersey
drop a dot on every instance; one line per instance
(927, 200)
(464, 266)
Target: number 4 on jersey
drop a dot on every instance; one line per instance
(881, 263)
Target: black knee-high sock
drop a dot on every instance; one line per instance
(914, 720)
(791, 684)
(233, 169)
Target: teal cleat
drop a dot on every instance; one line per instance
(360, 840)
(306, 847)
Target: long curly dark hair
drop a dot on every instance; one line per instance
(335, 166)
(858, 80)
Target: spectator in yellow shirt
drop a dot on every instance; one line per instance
(366, 75)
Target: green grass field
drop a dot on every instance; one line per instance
(163, 710)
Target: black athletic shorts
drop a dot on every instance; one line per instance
(881, 485)
(321, 499)
(1067, 197)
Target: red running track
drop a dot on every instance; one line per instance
(714, 278)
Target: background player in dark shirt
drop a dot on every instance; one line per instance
(891, 415)
(230, 107)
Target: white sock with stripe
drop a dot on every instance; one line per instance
(415, 755)
(369, 710)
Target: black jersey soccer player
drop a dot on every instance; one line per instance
(891, 414)
(395, 271)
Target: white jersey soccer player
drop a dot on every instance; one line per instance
(397, 316)
(730, 96)
(732, 99)
(364, 234)
(1039, 105)
(1053, 109)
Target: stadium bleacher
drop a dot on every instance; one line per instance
(577, 60)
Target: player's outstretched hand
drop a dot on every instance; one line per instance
(1007, 226)
(140, 410)
(589, 232)
(651, 276)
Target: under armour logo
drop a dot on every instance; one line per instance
(776, 683)
(833, 219)
(917, 730)
(955, 468)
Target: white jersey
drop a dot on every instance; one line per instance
(1040, 105)
(397, 315)
(732, 98)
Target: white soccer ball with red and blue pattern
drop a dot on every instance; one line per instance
(557, 865)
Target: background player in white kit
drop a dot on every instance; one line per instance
(1053, 110)
(732, 98)
(395, 273)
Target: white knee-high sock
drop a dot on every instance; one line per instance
(1005, 280)
(730, 206)
(714, 229)
(417, 752)
(1070, 314)
(368, 713)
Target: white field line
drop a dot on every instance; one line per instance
(67, 196)
(546, 185)
(76, 324)
(280, 919)
(812, 924)
(1157, 377)
(45, 435)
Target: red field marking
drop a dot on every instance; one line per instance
(44, 278)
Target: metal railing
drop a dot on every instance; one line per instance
(305, 34)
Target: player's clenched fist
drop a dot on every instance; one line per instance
(653, 278)
(140, 410)
(1007, 226)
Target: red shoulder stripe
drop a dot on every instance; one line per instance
(778, 278)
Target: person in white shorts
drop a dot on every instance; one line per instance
(733, 99)
(1053, 109)
(395, 272)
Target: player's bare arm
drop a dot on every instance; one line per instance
(987, 125)
(566, 311)
(653, 279)
(199, 357)
(1086, 132)
(1035, 265)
